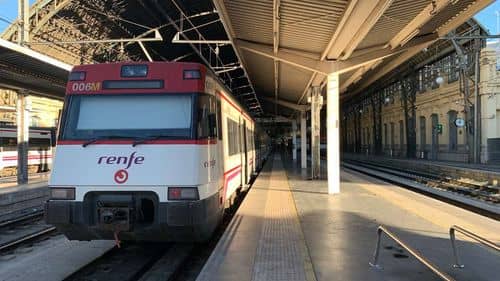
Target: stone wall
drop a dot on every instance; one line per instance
(44, 111)
(444, 103)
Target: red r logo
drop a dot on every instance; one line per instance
(121, 176)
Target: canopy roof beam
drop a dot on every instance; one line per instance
(413, 27)
(327, 67)
(288, 104)
(276, 44)
(226, 23)
(359, 18)
(409, 53)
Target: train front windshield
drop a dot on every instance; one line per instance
(128, 116)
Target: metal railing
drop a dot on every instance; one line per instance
(413, 252)
(471, 235)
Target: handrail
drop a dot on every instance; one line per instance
(413, 252)
(471, 235)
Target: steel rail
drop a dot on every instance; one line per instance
(27, 238)
(31, 215)
(481, 240)
(413, 252)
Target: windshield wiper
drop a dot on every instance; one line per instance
(85, 144)
(147, 138)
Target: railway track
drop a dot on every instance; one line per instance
(36, 214)
(479, 197)
(155, 261)
(22, 230)
(135, 261)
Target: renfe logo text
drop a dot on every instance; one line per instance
(117, 160)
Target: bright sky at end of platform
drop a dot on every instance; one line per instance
(487, 17)
(8, 12)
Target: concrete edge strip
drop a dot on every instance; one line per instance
(308, 265)
(216, 258)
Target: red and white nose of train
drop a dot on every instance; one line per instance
(138, 153)
(154, 166)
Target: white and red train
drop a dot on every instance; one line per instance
(41, 141)
(149, 151)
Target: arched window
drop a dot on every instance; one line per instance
(401, 135)
(386, 140)
(423, 135)
(392, 135)
(452, 129)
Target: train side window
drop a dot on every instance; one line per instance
(39, 142)
(233, 137)
(206, 125)
(6, 142)
(219, 119)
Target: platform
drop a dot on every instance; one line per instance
(289, 228)
(16, 200)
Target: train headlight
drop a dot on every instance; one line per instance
(77, 76)
(191, 74)
(183, 193)
(138, 70)
(62, 193)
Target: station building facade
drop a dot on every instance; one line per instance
(44, 112)
(422, 112)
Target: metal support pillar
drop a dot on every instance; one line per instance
(24, 22)
(377, 122)
(23, 117)
(408, 98)
(477, 106)
(464, 82)
(332, 127)
(316, 104)
(294, 140)
(303, 140)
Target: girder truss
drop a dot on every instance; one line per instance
(79, 32)
(65, 20)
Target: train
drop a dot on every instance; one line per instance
(152, 151)
(40, 143)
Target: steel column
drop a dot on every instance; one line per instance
(316, 103)
(477, 106)
(303, 140)
(376, 99)
(294, 139)
(24, 22)
(332, 126)
(23, 117)
(408, 97)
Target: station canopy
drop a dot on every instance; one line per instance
(268, 53)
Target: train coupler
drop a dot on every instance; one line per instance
(114, 219)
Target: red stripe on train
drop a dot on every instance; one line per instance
(80, 142)
(230, 177)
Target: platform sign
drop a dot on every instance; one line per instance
(439, 128)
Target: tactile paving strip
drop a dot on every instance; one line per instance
(281, 252)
